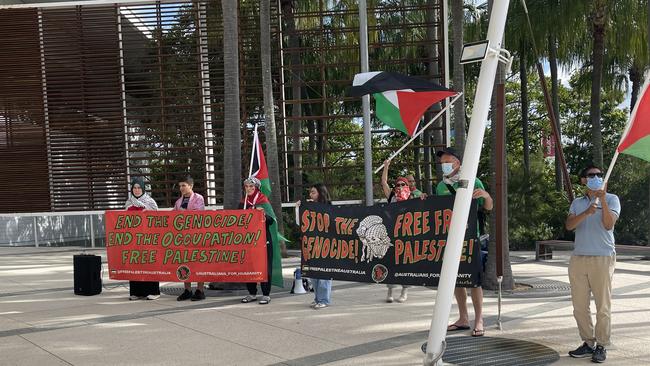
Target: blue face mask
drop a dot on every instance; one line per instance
(594, 183)
(447, 168)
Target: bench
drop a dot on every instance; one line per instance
(544, 248)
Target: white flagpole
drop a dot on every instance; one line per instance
(421, 130)
(628, 126)
(250, 169)
(255, 139)
(462, 202)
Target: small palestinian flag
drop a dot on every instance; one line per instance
(258, 165)
(400, 100)
(636, 138)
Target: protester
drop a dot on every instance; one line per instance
(451, 175)
(322, 288)
(592, 262)
(140, 201)
(255, 199)
(190, 200)
(414, 191)
(400, 192)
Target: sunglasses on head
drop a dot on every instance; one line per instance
(591, 175)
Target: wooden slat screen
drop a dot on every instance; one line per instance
(86, 130)
(23, 152)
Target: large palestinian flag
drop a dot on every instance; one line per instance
(400, 100)
(636, 138)
(259, 170)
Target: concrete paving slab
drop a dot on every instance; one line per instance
(150, 341)
(17, 351)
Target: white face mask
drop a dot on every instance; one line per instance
(447, 168)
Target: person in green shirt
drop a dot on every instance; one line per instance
(451, 175)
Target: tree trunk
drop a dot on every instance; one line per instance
(555, 100)
(490, 279)
(232, 122)
(269, 116)
(598, 33)
(457, 19)
(296, 110)
(635, 78)
(523, 77)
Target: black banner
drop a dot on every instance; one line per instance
(396, 243)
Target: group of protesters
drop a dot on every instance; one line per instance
(590, 270)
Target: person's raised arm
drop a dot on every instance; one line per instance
(384, 179)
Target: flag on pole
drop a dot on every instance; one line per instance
(258, 165)
(636, 138)
(259, 170)
(400, 100)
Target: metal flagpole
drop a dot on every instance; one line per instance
(421, 130)
(462, 202)
(254, 146)
(365, 100)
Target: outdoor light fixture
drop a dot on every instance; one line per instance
(478, 51)
(474, 52)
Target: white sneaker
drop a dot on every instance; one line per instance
(403, 296)
(320, 306)
(153, 297)
(389, 295)
(133, 297)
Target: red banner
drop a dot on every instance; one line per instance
(197, 246)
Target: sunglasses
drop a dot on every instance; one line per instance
(400, 185)
(592, 175)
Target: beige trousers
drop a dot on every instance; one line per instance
(592, 275)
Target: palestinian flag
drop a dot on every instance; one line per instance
(258, 165)
(636, 138)
(259, 170)
(276, 262)
(400, 100)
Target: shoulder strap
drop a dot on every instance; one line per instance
(451, 189)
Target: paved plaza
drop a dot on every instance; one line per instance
(43, 323)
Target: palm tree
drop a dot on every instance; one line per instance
(598, 17)
(269, 114)
(232, 132)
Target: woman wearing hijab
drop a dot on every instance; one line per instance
(140, 201)
(400, 192)
(255, 199)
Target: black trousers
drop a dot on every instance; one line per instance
(266, 286)
(144, 288)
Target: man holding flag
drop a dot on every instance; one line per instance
(592, 263)
(593, 217)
